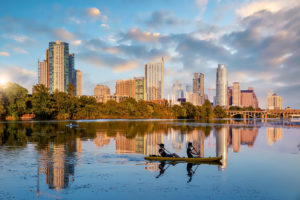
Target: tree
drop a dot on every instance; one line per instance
(71, 89)
(15, 100)
(219, 112)
(206, 110)
(42, 104)
(2, 108)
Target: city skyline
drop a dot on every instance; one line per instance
(192, 36)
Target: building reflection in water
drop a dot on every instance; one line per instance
(57, 162)
(242, 136)
(221, 134)
(197, 137)
(273, 134)
(101, 139)
(177, 139)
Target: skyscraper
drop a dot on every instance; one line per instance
(222, 145)
(198, 86)
(58, 66)
(248, 98)
(221, 85)
(78, 83)
(236, 94)
(101, 90)
(72, 73)
(139, 88)
(126, 87)
(177, 91)
(274, 102)
(43, 73)
(154, 81)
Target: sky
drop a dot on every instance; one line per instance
(258, 40)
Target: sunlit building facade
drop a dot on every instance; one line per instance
(101, 90)
(43, 73)
(248, 98)
(139, 88)
(222, 85)
(58, 66)
(126, 88)
(198, 86)
(154, 81)
(236, 94)
(274, 101)
(78, 85)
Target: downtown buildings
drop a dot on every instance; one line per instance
(58, 69)
(222, 85)
(274, 102)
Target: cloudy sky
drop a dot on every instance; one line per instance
(258, 40)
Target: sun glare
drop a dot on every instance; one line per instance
(3, 80)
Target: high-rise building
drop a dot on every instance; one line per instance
(58, 66)
(126, 88)
(43, 73)
(236, 94)
(72, 73)
(139, 88)
(177, 91)
(274, 102)
(78, 83)
(193, 98)
(248, 98)
(229, 96)
(221, 85)
(189, 88)
(198, 86)
(101, 90)
(154, 81)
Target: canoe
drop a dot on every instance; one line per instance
(192, 160)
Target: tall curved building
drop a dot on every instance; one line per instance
(221, 85)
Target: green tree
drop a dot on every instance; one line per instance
(42, 103)
(206, 110)
(71, 89)
(15, 100)
(2, 108)
(219, 112)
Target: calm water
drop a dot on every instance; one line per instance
(105, 160)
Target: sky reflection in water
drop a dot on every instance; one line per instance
(105, 159)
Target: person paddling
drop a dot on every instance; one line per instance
(191, 151)
(163, 152)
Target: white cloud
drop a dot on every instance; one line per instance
(248, 9)
(76, 42)
(137, 34)
(3, 53)
(18, 38)
(19, 50)
(129, 65)
(202, 4)
(93, 12)
(75, 20)
(105, 26)
(63, 34)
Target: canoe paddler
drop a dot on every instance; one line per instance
(165, 153)
(191, 151)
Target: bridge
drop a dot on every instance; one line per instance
(263, 113)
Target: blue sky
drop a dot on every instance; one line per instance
(258, 40)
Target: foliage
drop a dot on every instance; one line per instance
(64, 106)
(219, 112)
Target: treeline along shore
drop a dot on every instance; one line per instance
(15, 102)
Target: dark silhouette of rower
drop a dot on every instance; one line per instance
(191, 151)
(190, 171)
(163, 152)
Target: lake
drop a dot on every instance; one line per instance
(104, 159)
